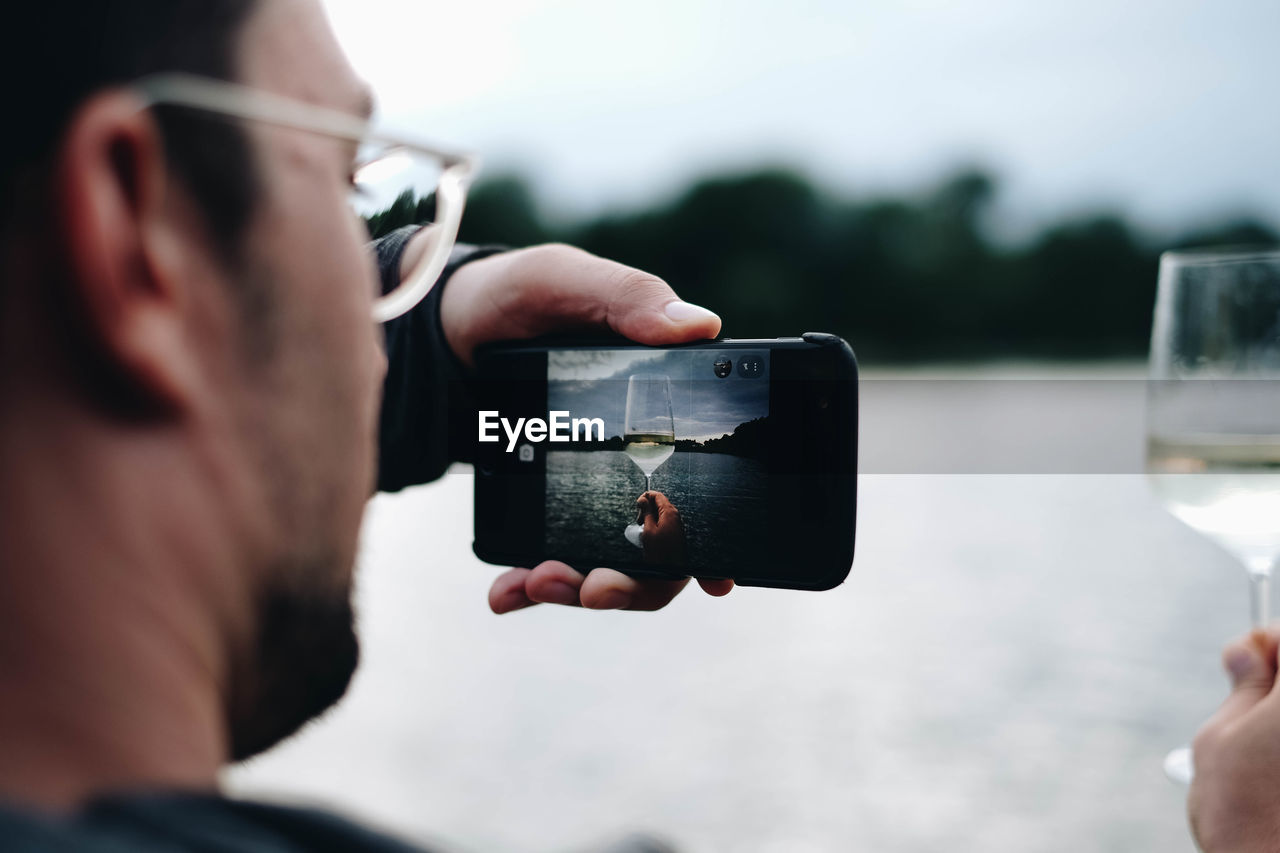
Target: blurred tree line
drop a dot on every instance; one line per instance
(901, 278)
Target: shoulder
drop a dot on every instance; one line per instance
(182, 821)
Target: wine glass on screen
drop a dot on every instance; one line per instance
(649, 432)
(1213, 412)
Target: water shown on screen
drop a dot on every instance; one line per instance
(687, 429)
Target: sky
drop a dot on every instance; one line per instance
(594, 384)
(1166, 111)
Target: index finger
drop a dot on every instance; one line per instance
(661, 501)
(609, 589)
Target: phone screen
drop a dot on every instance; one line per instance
(686, 429)
(732, 458)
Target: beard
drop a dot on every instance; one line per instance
(312, 438)
(302, 663)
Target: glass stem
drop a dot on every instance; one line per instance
(646, 482)
(1260, 598)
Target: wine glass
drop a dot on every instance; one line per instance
(648, 431)
(1213, 412)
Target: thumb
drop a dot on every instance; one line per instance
(634, 304)
(554, 288)
(1251, 665)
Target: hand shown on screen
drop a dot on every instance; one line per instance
(663, 530)
(1232, 804)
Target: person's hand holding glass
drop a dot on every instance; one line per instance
(649, 433)
(1213, 415)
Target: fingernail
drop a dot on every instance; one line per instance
(614, 599)
(687, 312)
(558, 592)
(1240, 663)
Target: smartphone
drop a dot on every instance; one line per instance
(721, 459)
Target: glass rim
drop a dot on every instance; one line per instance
(1226, 254)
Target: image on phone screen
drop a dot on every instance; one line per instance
(675, 472)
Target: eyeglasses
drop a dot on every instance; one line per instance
(382, 161)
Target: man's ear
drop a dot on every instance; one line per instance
(126, 288)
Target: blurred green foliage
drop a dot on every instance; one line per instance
(903, 278)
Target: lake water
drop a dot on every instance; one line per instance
(591, 497)
(1004, 669)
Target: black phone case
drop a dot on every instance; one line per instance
(845, 503)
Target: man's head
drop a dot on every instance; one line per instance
(179, 279)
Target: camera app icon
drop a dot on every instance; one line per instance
(525, 453)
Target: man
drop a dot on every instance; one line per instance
(189, 407)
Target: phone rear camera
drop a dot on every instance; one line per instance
(723, 366)
(750, 366)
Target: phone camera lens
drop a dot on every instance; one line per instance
(750, 366)
(723, 366)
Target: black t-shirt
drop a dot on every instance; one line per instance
(428, 418)
(191, 823)
(184, 822)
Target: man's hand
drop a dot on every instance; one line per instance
(554, 288)
(1234, 804)
(663, 530)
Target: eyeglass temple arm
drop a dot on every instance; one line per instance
(232, 99)
(243, 102)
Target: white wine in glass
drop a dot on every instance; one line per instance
(649, 450)
(649, 431)
(1227, 488)
(1213, 412)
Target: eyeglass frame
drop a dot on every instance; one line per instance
(234, 100)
